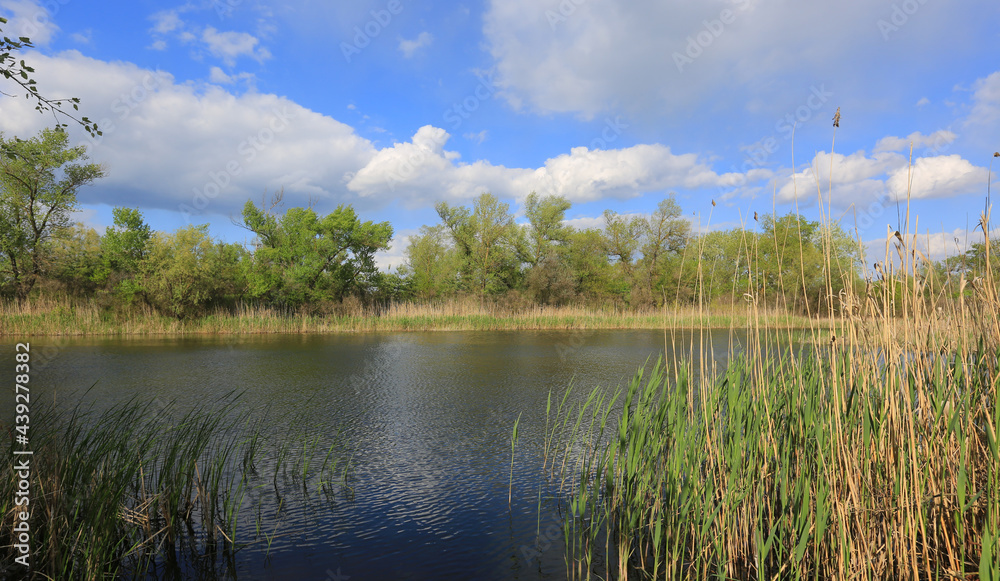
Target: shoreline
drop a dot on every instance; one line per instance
(46, 320)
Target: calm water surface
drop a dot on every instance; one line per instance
(426, 415)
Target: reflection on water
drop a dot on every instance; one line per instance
(426, 416)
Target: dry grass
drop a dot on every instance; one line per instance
(63, 317)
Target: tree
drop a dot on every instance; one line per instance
(622, 239)
(187, 272)
(123, 247)
(545, 225)
(301, 257)
(794, 262)
(18, 72)
(432, 263)
(73, 259)
(489, 241)
(664, 234)
(39, 178)
(586, 257)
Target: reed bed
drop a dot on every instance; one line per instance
(143, 490)
(64, 317)
(862, 447)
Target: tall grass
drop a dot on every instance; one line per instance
(47, 316)
(140, 489)
(865, 449)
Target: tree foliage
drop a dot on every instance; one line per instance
(39, 180)
(301, 257)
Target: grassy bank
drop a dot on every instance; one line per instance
(63, 317)
(142, 488)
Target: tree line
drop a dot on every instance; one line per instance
(303, 261)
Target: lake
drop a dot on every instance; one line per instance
(425, 416)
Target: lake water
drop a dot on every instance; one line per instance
(427, 417)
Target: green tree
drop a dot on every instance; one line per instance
(39, 179)
(489, 241)
(586, 257)
(74, 259)
(432, 263)
(123, 247)
(301, 257)
(664, 234)
(804, 264)
(186, 272)
(545, 225)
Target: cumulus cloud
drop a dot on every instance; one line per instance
(175, 146)
(422, 170)
(409, 47)
(859, 178)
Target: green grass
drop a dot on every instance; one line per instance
(140, 487)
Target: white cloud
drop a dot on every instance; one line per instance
(84, 37)
(923, 101)
(409, 47)
(585, 57)
(937, 141)
(170, 144)
(860, 178)
(166, 21)
(478, 138)
(28, 18)
(936, 246)
(986, 102)
(217, 75)
(938, 177)
(422, 170)
(159, 44)
(230, 45)
(395, 256)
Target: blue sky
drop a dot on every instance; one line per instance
(393, 105)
